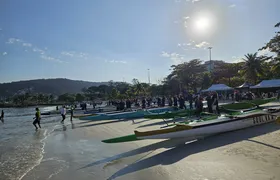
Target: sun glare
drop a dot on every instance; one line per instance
(202, 24)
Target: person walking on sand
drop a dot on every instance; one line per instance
(37, 119)
(63, 113)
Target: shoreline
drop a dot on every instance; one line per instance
(30, 105)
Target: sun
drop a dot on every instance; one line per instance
(202, 24)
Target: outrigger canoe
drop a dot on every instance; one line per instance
(168, 115)
(83, 115)
(246, 105)
(202, 129)
(128, 115)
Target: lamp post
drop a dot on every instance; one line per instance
(149, 77)
(210, 58)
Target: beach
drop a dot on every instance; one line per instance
(75, 151)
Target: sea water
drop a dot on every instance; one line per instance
(21, 147)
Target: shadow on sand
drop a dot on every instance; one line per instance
(176, 153)
(163, 122)
(96, 123)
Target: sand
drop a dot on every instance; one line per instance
(75, 151)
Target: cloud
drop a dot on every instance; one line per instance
(38, 50)
(67, 53)
(74, 54)
(174, 57)
(232, 5)
(184, 20)
(28, 47)
(13, 40)
(27, 44)
(184, 46)
(185, 24)
(264, 52)
(165, 54)
(193, 1)
(5, 53)
(202, 44)
(236, 59)
(49, 58)
(115, 61)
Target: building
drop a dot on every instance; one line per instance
(211, 66)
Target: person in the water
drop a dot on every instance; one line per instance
(37, 119)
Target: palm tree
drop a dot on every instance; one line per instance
(252, 67)
(138, 87)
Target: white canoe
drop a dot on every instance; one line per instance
(202, 129)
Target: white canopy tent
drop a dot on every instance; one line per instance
(218, 87)
(274, 83)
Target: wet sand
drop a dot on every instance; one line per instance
(75, 151)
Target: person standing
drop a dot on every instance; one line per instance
(143, 103)
(199, 106)
(2, 116)
(170, 101)
(158, 101)
(63, 113)
(72, 113)
(215, 103)
(190, 98)
(209, 103)
(175, 101)
(163, 101)
(37, 119)
(182, 103)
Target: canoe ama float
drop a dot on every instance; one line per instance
(246, 105)
(168, 115)
(201, 129)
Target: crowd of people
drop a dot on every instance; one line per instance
(195, 101)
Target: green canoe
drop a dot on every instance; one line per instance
(169, 115)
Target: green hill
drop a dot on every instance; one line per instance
(46, 86)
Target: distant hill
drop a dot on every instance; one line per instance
(54, 86)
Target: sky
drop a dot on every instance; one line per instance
(102, 40)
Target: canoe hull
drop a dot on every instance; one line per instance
(215, 128)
